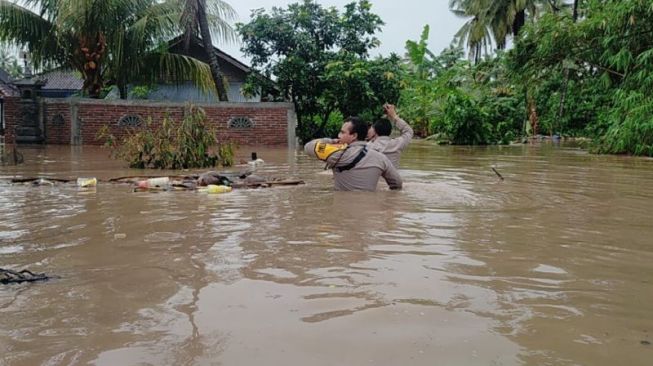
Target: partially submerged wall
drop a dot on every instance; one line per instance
(77, 121)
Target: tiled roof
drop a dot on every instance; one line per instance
(67, 80)
(57, 80)
(221, 54)
(7, 90)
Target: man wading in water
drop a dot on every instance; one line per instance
(355, 166)
(379, 135)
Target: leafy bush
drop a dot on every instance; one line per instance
(140, 92)
(592, 76)
(191, 143)
(630, 128)
(465, 122)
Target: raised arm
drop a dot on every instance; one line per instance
(405, 129)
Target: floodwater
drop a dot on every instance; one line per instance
(552, 266)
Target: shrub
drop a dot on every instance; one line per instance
(630, 128)
(191, 143)
(465, 122)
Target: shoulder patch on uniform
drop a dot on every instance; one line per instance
(323, 150)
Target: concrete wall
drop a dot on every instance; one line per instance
(77, 121)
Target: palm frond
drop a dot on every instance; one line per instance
(172, 67)
(219, 15)
(22, 27)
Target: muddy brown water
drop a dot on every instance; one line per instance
(553, 266)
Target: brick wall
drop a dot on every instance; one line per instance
(75, 121)
(11, 117)
(57, 123)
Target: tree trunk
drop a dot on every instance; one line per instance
(210, 51)
(92, 50)
(565, 83)
(518, 23)
(325, 120)
(532, 115)
(122, 89)
(575, 16)
(477, 54)
(563, 96)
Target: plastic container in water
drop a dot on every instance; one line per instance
(212, 188)
(86, 182)
(256, 163)
(162, 182)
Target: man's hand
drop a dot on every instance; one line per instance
(390, 111)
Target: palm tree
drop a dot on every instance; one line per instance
(116, 40)
(575, 11)
(475, 34)
(139, 50)
(195, 20)
(494, 21)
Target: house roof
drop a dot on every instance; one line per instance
(223, 55)
(63, 80)
(55, 80)
(60, 79)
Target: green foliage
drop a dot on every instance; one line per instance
(191, 143)
(459, 102)
(567, 75)
(602, 66)
(495, 21)
(9, 63)
(464, 121)
(361, 87)
(118, 41)
(140, 92)
(630, 123)
(318, 59)
(423, 82)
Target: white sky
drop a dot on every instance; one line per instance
(404, 20)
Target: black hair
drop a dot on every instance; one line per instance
(382, 127)
(358, 126)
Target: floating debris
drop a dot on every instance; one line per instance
(8, 276)
(190, 182)
(497, 173)
(86, 182)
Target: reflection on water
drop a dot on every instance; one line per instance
(551, 266)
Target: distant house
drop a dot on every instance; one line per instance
(57, 83)
(61, 84)
(233, 70)
(7, 89)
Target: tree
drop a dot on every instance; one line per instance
(361, 87)
(316, 57)
(609, 59)
(116, 40)
(494, 21)
(476, 33)
(195, 20)
(9, 63)
(419, 96)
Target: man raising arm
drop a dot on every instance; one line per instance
(355, 166)
(379, 135)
